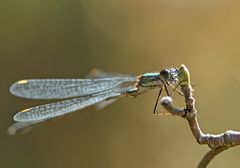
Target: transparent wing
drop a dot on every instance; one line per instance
(56, 109)
(105, 103)
(66, 88)
(98, 73)
(18, 128)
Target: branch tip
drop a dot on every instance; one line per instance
(218, 142)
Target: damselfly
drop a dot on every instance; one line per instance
(102, 89)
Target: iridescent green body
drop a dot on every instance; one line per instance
(169, 76)
(149, 79)
(156, 79)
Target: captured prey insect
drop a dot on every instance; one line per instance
(101, 89)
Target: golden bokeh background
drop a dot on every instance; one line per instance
(67, 38)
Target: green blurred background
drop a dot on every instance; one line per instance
(67, 38)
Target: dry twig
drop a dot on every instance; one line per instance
(217, 143)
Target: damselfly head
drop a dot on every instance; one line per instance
(169, 75)
(164, 75)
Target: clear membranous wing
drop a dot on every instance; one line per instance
(66, 88)
(48, 111)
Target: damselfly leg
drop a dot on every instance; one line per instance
(158, 97)
(156, 104)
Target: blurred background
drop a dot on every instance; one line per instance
(67, 38)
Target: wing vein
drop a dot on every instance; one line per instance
(60, 108)
(65, 88)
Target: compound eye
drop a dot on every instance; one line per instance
(164, 74)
